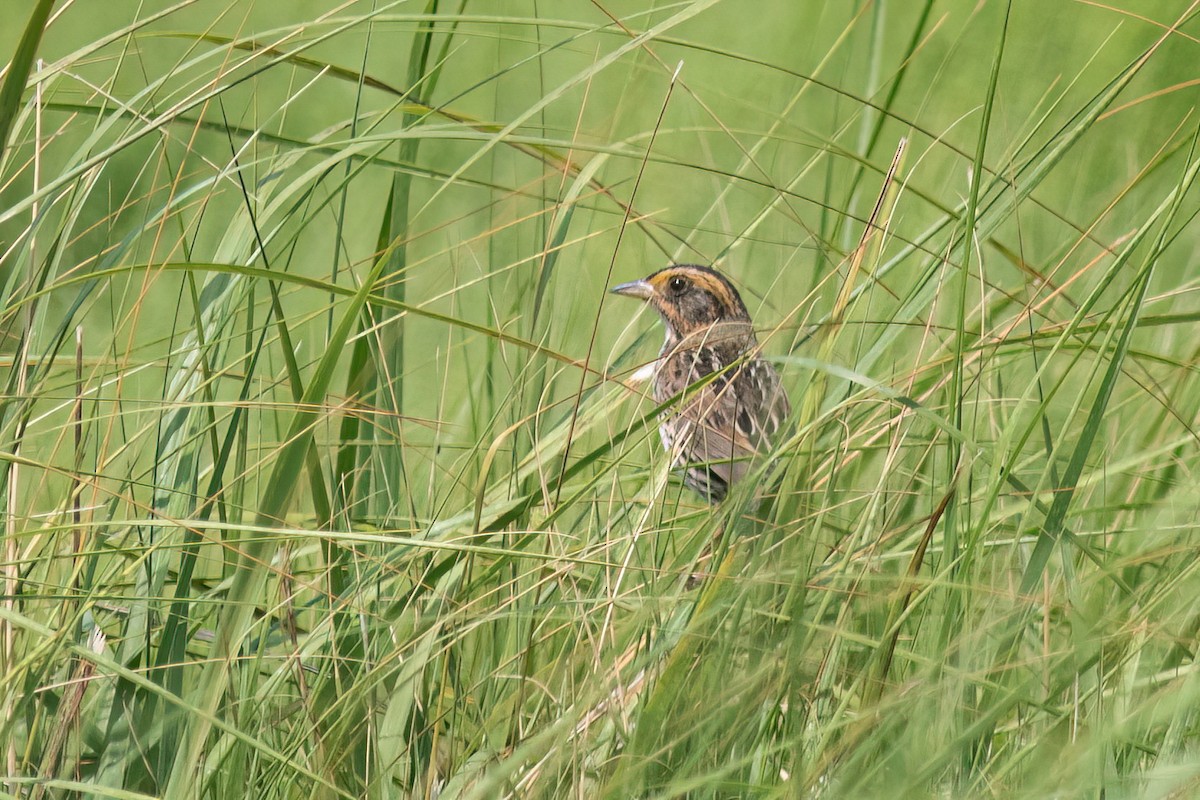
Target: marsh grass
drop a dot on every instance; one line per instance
(327, 467)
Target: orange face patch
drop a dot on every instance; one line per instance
(702, 280)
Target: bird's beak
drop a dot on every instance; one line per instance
(639, 289)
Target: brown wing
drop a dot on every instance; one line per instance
(725, 424)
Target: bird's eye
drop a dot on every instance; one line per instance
(677, 284)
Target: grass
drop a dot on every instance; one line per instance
(328, 473)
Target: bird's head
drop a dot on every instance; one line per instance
(688, 297)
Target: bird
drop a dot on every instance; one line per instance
(717, 429)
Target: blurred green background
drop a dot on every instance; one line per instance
(351, 470)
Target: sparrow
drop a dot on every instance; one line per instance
(717, 428)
